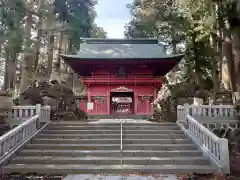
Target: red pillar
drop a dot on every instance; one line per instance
(135, 103)
(147, 106)
(89, 94)
(108, 103)
(89, 99)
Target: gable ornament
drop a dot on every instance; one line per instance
(122, 89)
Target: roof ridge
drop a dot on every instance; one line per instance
(119, 41)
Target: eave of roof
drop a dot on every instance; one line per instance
(77, 57)
(120, 49)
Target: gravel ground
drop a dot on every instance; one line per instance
(121, 177)
(92, 177)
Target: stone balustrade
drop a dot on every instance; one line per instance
(16, 136)
(45, 113)
(211, 116)
(208, 111)
(198, 122)
(22, 113)
(213, 147)
(29, 120)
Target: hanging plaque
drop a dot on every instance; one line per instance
(89, 106)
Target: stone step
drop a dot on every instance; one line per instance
(75, 123)
(102, 128)
(112, 146)
(109, 153)
(110, 136)
(110, 141)
(119, 177)
(93, 169)
(111, 160)
(112, 132)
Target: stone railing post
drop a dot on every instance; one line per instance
(224, 155)
(180, 113)
(38, 112)
(45, 113)
(212, 147)
(186, 111)
(38, 109)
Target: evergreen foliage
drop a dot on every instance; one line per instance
(34, 29)
(188, 27)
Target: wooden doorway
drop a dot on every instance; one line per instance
(124, 101)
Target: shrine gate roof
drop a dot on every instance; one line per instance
(121, 49)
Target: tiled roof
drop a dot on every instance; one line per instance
(120, 49)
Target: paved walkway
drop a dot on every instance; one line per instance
(120, 177)
(119, 120)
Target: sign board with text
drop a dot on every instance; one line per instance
(89, 106)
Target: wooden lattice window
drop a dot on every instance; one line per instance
(101, 99)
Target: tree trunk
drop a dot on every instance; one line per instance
(65, 44)
(27, 63)
(196, 74)
(60, 47)
(174, 47)
(65, 50)
(12, 70)
(216, 59)
(50, 54)
(236, 54)
(220, 62)
(38, 43)
(173, 41)
(50, 23)
(215, 79)
(6, 74)
(228, 56)
(227, 75)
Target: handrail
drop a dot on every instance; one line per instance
(10, 140)
(121, 142)
(45, 113)
(206, 111)
(213, 147)
(28, 119)
(201, 128)
(19, 114)
(22, 112)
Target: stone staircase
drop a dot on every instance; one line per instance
(74, 148)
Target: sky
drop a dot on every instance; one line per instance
(112, 15)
